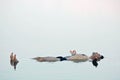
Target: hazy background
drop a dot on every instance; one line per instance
(31, 28)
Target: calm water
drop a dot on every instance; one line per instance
(31, 28)
(29, 69)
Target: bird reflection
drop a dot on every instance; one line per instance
(13, 60)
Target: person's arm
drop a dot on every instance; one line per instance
(73, 52)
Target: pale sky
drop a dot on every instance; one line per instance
(53, 27)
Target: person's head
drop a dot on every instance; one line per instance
(95, 55)
(101, 57)
(95, 61)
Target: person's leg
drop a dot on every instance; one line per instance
(15, 64)
(11, 56)
(14, 58)
(12, 62)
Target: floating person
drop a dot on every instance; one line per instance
(13, 60)
(95, 57)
